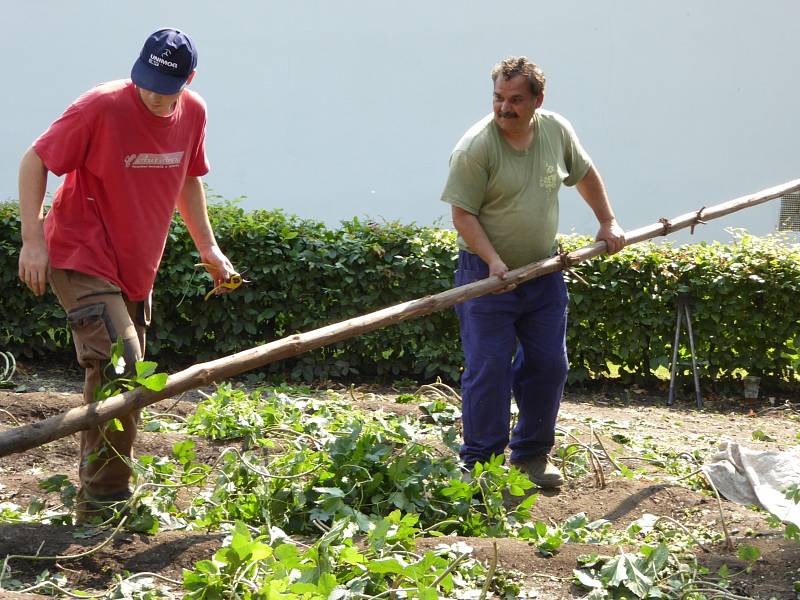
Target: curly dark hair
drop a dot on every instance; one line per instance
(520, 65)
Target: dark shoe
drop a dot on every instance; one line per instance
(541, 471)
(99, 509)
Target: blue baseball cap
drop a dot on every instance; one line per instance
(167, 60)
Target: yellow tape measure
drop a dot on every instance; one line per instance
(232, 283)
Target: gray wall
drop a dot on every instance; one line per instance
(338, 109)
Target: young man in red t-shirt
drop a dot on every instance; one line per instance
(132, 151)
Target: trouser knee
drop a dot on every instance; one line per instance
(552, 367)
(557, 366)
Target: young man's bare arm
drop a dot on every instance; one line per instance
(194, 211)
(33, 258)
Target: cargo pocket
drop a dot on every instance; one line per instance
(92, 332)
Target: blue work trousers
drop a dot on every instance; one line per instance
(527, 324)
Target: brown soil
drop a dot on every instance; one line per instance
(621, 501)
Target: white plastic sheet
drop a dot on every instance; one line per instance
(757, 477)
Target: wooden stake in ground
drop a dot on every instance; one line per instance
(23, 438)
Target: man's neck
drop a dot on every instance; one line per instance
(519, 140)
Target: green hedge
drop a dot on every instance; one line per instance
(29, 326)
(304, 275)
(745, 310)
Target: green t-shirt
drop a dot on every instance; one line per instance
(514, 193)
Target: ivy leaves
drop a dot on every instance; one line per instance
(641, 573)
(143, 374)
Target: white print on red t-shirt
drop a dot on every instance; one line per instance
(154, 161)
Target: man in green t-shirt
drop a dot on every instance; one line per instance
(503, 184)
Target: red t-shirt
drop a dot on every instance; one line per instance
(125, 168)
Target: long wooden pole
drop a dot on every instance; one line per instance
(25, 437)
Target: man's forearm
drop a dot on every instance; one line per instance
(193, 209)
(33, 257)
(32, 187)
(471, 230)
(593, 191)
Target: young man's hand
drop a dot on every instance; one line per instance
(33, 261)
(219, 267)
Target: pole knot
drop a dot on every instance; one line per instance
(665, 223)
(698, 220)
(566, 264)
(563, 256)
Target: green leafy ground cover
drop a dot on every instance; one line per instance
(316, 496)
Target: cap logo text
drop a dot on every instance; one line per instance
(157, 61)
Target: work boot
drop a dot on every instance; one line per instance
(540, 471)
(99, 509)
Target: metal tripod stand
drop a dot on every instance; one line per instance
(684, 309)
